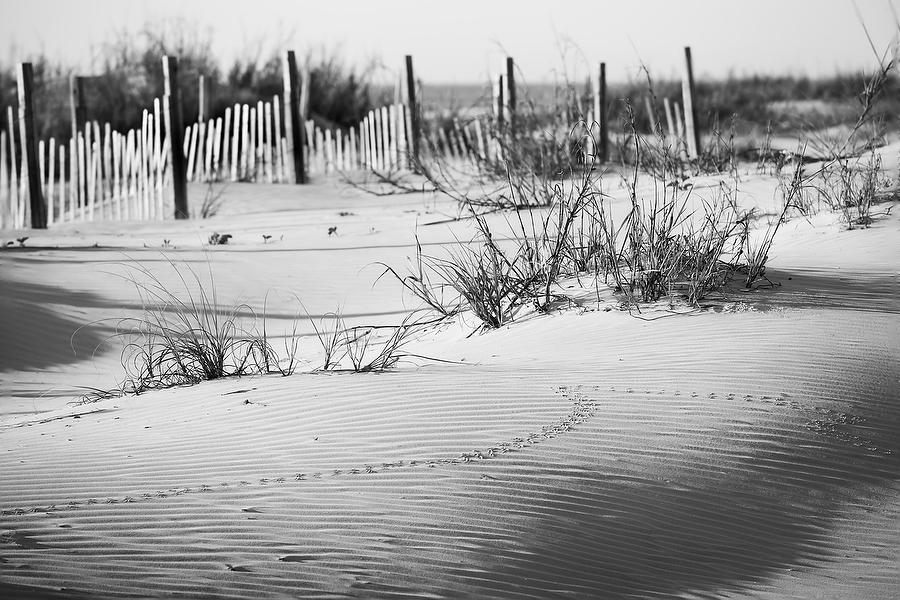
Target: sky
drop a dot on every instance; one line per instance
(464, 41)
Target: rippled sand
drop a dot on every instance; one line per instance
(746, 451)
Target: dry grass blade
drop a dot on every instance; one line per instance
(420, 284)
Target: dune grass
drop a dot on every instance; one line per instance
(360, 348)
(666, 244)
(186, 334)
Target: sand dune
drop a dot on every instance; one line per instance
(748, 450)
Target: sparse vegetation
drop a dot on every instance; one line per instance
(213, 199)
(358, 348)
(852, 186)
(219, 239)
(186, 336)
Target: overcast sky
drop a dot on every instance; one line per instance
(464, 40)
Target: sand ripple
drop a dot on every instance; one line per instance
(418, 487)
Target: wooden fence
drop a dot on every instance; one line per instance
(103, 174)
(100, 173)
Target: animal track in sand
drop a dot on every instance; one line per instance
(833, 423)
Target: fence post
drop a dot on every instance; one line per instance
(292, 123)
(79, 114)
(670, 121)
(203, 100)
(175, 133)
(26, 118)
(602, 117)
(690, 109)
(413, 110)
(511, 91)
(498, 99)
(651, 114)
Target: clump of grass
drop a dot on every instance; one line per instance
(850, 181)
(358, 348)
(329, 333)
(660, 248)
(186, 336)
(420, 282)
(367, 355)
(213, 199)
(492, 283)
(852, 187)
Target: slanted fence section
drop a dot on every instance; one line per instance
(103, 174)
(249, 144)
(100, 174)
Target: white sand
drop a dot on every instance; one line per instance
(745, 451)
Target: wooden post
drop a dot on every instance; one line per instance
(690, 109)
(500, 103)
(252, 148)
(679, 122)
(79, 115)
(679, 130)
(320, 151)
(29, 147)
(176, 135)
(379, 141)
(61, 214)
(670, 122)
(235, 144)
(226, 144)
(278, 173)
(510, 91)
(339, 150)
(96, 173)
(260, 139)
(143, 154)
(42, 170)
(211, 149)
(413, 111)
(130, 176)
(114, 179)
(651, 114)
(11, 119)
(354, 160)
(292, 123)
(5, 196)
(603, 154)
(394, 146)
(216, 172)
(245, 141)
(73, 177)
(82, 174)
(400, 115)
(203, 100)
(327, 153)
(386, 160)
